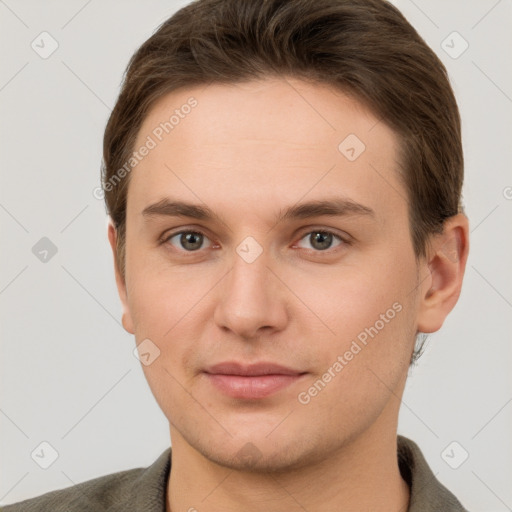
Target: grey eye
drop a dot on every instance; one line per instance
(188, 240)
(320, 240)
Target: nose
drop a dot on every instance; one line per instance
(252, 300)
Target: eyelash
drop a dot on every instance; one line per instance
(343, 240)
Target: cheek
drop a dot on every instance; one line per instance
(367, 360)
(171, 307)
(370, 312)
(160, 296)
(165, 307)
(349, 299)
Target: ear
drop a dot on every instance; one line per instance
(120, 280)
(445, 265)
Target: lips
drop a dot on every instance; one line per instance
(251, 382)
(256, 369)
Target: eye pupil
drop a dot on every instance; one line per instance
(193, 240)
(190, 240)
(324, 240)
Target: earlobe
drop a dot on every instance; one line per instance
(446, 263)
(126, 320)
(120, 280)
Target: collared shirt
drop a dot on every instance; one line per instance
(144, 489)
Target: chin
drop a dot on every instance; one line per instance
(256, 452)
(249, 458)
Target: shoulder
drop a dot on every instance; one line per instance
(427, 492)
(122, 490)
(96, 494)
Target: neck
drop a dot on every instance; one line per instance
(361, 475)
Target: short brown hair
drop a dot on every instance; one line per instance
(366, 48)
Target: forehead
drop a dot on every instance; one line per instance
(272, 138)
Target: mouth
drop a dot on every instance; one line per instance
(251, 382)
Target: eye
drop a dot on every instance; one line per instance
(191, 241)
(321, 240)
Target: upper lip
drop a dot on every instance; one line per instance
(263, 368)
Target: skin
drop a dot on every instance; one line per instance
(247, 152)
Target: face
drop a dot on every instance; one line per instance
(280, 311)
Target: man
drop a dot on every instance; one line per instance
(283, 181)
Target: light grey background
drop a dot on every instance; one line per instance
(68, 374)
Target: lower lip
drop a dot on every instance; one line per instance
(251, 387)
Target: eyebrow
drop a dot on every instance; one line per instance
(338, 206)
